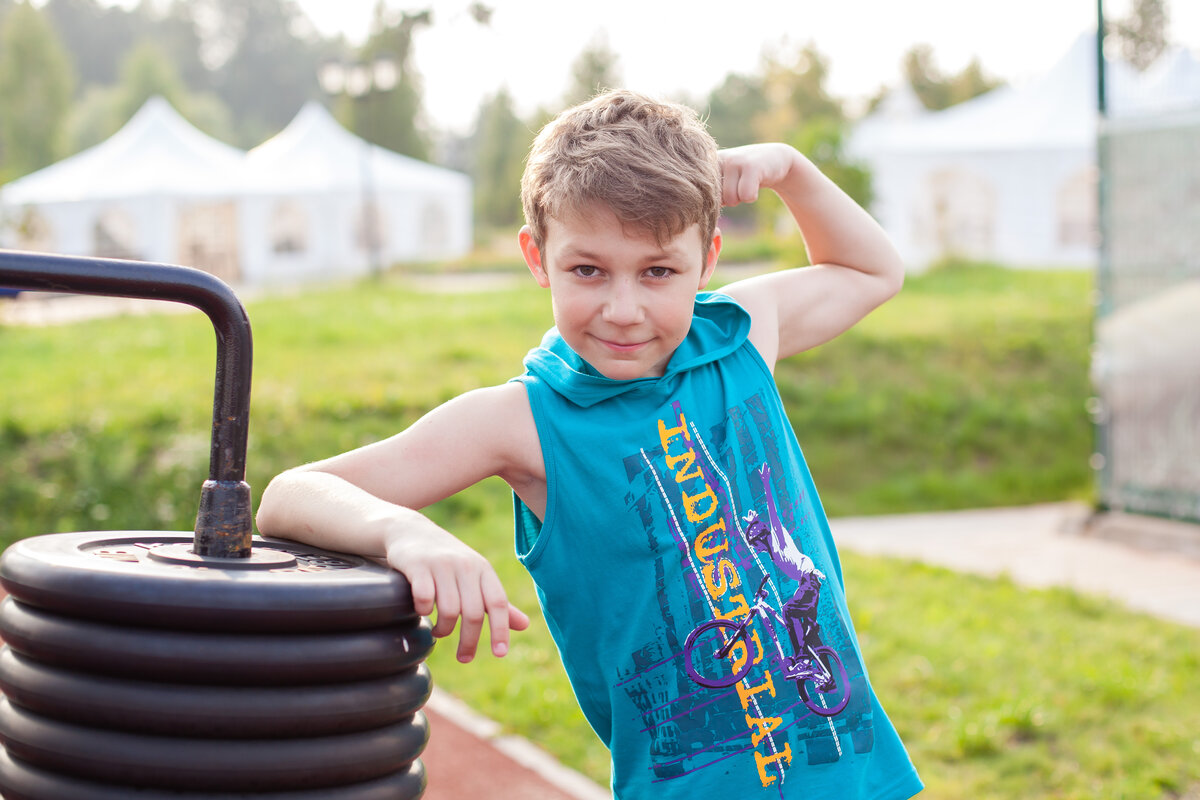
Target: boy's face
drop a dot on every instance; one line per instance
(621, 301)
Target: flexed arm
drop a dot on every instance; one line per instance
(855, 267)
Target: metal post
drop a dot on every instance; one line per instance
(1101, 90)
(224, 523)
(1099, 461)
(363, 83)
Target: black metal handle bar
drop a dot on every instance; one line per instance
(223, 524)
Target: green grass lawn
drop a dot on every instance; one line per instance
(967, 390)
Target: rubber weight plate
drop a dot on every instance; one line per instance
(150, 578)
(225, 659)
(212, 711)
(210, 764)
(21, 781)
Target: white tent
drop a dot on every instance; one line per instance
(333, 204)
(314, 202)
(1009, 175)
(157, 190)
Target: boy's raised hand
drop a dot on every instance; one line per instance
(746, 170)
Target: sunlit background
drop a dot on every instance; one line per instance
(333, 160)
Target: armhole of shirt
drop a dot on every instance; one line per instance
(758, 359)
(532, 533)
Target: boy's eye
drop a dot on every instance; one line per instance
(660, 272)
(585, 270)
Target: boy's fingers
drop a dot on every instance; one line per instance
(420, 582)
(498, 613)
(448, 604)
(747, 187)
(518, 620)
(472, 622)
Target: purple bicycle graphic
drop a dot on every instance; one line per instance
(718, 653)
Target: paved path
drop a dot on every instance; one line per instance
(1057, 544)
(468, 759)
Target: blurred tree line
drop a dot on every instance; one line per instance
(72, 72)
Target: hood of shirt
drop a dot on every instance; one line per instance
(719, 326)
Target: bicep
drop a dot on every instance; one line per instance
(798, 309)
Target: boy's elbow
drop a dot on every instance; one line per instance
(269, 517)
(891, 278)
(896, 282)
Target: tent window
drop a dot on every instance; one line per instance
(961, 213)
(208, 239)
(115, 235)
(34, 232)
(289, 228)
(1077, 223)
(368, 232)
(435, 227)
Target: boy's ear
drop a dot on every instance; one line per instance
(533, 256)
(710, 258)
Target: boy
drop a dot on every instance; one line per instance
(634, 444)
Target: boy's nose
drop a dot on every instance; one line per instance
(623, 306)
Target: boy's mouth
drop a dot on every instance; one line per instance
(621, 347)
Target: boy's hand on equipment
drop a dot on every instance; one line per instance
(448, 575)
(746, 170)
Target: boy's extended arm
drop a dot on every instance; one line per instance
(855, 267)
(365, 502)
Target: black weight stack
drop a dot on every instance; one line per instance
(149, 665)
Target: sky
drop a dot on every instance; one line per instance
(674, 49)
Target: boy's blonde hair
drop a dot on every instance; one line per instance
(652, 163)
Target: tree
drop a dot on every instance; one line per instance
(794, 88)
(798, 109)
(594, 70)
(936, 90)
(1143, 34)
(97, 37)
(732, 108)
(262, 71)
(36, 81)
(146, 71)
(501, 143)
(390, 114)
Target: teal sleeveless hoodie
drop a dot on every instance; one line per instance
(647, 537)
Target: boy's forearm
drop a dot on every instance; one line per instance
(836, 229)
(325, 511)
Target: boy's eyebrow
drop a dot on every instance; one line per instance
(584, 254)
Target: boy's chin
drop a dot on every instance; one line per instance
(628, 372)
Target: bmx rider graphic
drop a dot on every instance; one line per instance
(800, 612)
(718, 652)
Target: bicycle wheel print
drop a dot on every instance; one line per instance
(716, 655)
(831, 698)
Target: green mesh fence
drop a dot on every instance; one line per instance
(1146, 365)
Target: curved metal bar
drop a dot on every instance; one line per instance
(223, 526)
